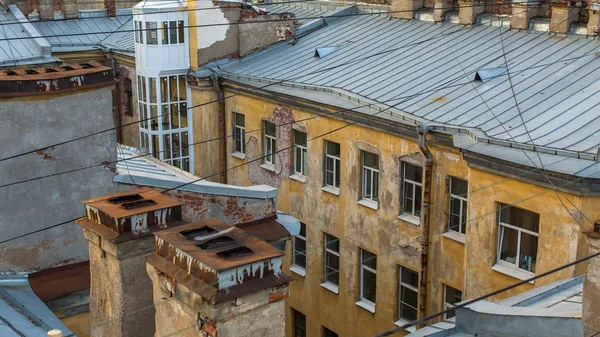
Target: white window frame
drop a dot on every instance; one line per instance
(303, 151)
(463, 204)
(520, 231)
(409, 287)
(364, 268)
(325, 266)
(333, 170)
(449, 305)
(239, 130)
(414, 183)
(371, 172)
(269, 141)
(303, 238)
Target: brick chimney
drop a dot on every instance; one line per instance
(119, 229)
(593, 26)
(33, 10)
(468, 11)
(522, 13)
(405, 9)
(58, 6)
(591, 285)
(563, 14)
(111, 7)
(215, 278)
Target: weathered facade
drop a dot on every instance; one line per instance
(38, 109)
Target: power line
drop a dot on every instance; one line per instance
(477, 299)
(323, 17)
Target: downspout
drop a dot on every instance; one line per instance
(222, 145)
(425, 221)
(116, 96)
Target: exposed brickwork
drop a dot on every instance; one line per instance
(233, 210)
(33, 7)
(279, 295)
(111, 7)
(58, 6)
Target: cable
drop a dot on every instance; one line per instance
(39, 230)
(477, 299)
(322, 17)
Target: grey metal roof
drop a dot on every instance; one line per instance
(122, 40)
(386, 61)
(23, 51)
(304, 11)
(22, 313)
(79, 31)
(148, 171)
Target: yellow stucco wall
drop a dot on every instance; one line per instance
(205, 122)
(464, 266)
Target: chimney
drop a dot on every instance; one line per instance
(522, 13)
(59, 9)
(593, 26)
(440, 8)
(591, 285)
(226, 281)
(33, 10)
(119, 229)
(405, 9)
(563, 14)
(468, 11)
(111, 7)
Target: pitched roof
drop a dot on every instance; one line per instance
(424, 73)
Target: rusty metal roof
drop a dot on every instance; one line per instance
(215, 245)
(116, 210)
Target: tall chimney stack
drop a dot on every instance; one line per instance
(119, 229)
(111, 7)
(591, 285)
(217, 279)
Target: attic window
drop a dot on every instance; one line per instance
(484, 75)
(216, 243)
(324, 51)
(235, 252)
(124, 198)
(198, 233)
(138, 204)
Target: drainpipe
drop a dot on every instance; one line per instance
(425, 219)
(222, 148)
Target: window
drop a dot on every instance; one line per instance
(299, 246)
(299, 324)
(451, 297)
(151, 33)
(139, 31)
(128, 97)
(332, 164)
(408, 294)
(412, 178)
(457, 221)
(269, 132)
(370, 176)
(239, 133)
(332, 260)
(518, 237)
(329, 333)
(368, 276)
(172, 32)
(299, 153)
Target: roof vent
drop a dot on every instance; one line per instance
(485, 75)
(235, 252)
(197, 234)
(138, 204)
(216, 243)
(324, 51)
(124, 198)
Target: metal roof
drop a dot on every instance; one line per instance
(122, 40)
(147, 171)
(426, 73)
(301, 9)
(22, 313)
(24, 51)
(79, 32)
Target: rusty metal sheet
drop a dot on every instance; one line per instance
(53, 283)
(267, 229)
(116, 211)
(172, 241)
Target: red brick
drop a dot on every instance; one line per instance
(278, 295)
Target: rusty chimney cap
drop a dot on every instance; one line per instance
(128, 203)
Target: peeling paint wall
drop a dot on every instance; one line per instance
(464, 266)
(33, 122)
(232, 210)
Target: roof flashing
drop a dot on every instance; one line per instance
(484, 75)
(324, 51)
